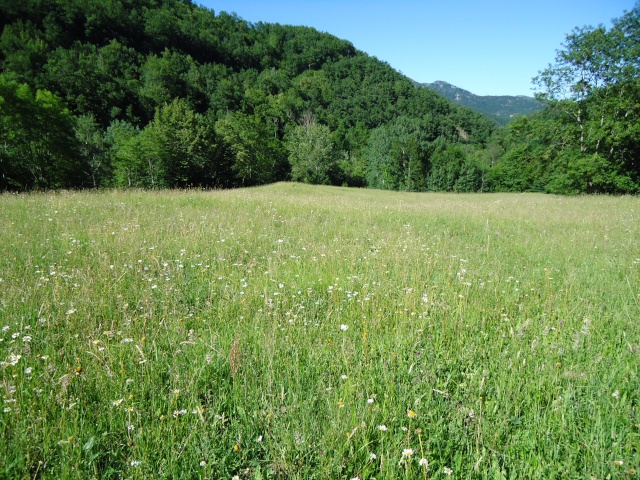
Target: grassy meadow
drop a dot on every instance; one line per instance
(299, 332)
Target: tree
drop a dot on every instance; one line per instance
(595, 85)
(39, 148)
(189, 146)
(139, 162)
(446, 165)
(93, 151)
(120, 137)
(101, 82)
(23, 50)
(397, 156)
(165, 78)
(256, 156)
(178, 148)
(312, 154)
(532, 147)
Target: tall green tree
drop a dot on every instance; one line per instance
(381, 170)
(594, 85)
(397, 156)
(166, 77)
(23, 50)
(101, 82)
(120, 137)
(312, 154)
(139, 162)
(178, 148)
(93, 150)
(256, 156)
(191, 151)
(39, 148)
(446, 165)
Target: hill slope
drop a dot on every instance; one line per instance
(142, 93)
(209, 98)
(501, 108)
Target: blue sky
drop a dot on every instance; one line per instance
(490, 47)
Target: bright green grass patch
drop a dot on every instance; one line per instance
(307, 332)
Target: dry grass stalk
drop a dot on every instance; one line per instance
(235, 357)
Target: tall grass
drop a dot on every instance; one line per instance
(308, 332)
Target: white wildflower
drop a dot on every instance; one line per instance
(407, 452)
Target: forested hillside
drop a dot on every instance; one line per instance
(500, 108)
(140, 93)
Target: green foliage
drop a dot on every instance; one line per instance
(256, 156)
(24, 50)
(381, 172)
(167, 77)
(102, 82)
(191, 153)
(531, 144)
(216, 101)
(397, 156)
(312, 155)
(589, 174)
(246, 85)
(39, 148)
(588, 139)
(119, 137)
(446, 166)
(141, 161)
(178, 148)
(409, 154)
(93, 150)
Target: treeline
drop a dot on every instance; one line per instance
(588, 138)
(140, 93)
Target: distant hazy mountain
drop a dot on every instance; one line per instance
(501, 108)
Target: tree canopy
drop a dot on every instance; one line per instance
(139, 93)
(588, 138)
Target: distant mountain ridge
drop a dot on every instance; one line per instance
(500, 108)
